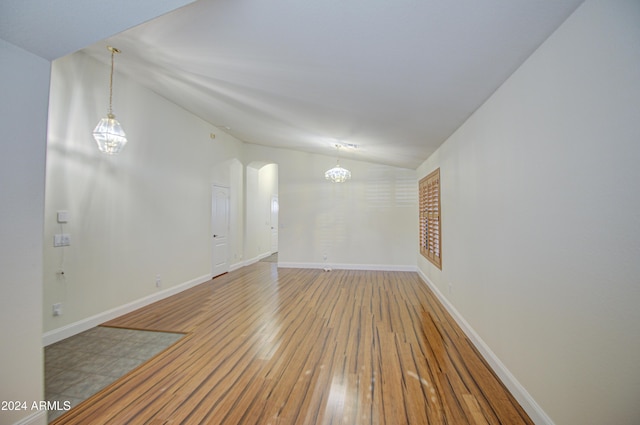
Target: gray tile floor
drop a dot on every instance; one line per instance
(80, 366)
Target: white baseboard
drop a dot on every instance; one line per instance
(533, 409)
(37, 418)
(255, 259)
(236, 266)
(375, 267)
(82, 325)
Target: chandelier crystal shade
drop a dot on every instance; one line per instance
(109, 134)
(337, 174)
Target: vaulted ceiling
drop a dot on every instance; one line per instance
(395, 78)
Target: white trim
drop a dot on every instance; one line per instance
(250, 261)
(253, 260)
(264, 255)
(37, 418)
(82, 325)
(236, 266)
(533, 409)
(375, 267)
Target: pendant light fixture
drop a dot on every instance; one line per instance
(337, 174)
(109, 134)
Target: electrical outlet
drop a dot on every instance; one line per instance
(57, 309)
(62, 239)
(158, 281)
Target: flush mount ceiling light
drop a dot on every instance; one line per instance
(337, 174)
(109, 134)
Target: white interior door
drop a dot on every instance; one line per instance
(274, 223)
(220, 228)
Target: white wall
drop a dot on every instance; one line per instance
(24, 82)
(142, 213)
(367, 222)
(147, 211)
(262, 183)
(541, 230)
(268, 179)
(253, 250)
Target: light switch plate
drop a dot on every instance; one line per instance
(63, 216)
(61, 239)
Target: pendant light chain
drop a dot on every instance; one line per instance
(113, 52)
(111, 83)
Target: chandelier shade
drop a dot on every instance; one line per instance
(337, 174)
(109, 134)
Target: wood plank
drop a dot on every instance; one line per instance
(268, 345)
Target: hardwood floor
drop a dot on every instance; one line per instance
(296, 346)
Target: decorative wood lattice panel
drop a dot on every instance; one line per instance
(430, 220)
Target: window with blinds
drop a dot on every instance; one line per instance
(430, 220)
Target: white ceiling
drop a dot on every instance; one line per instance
(54, 28)
(395, 78)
